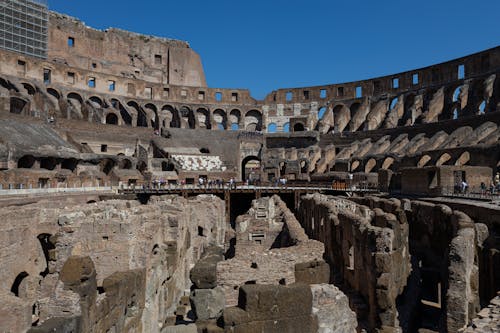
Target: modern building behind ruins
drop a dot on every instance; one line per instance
(84, 109)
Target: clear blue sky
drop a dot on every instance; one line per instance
(264, 45)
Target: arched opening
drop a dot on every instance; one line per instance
(203, 117)
(423, 161)
(75, 97)
(443, 160)
(482, 107)
(188, 115)
(250, 168)
(126, 117)
(253, 120)
(235, 117)
(341, 117)
(112, 119)
(220, 118)
(96, 101)
(463, 159)
(26, 162)
(298, 127)
(204, 151)
(142, 120)
(48, 163)
(29, 88)
(321, 112)
(152, 115)
(69, 164)
(54, 93)
(125, 164)
(354, 165)
(142, 166)
(17, 105)
(394, 102)
(171, 116)
(271, 128)
(286, 127)
(387, 163)
(17, 282)
(370, 165)
(107, 165)
(456, 94)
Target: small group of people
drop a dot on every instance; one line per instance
(494, 187)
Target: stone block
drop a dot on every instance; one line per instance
(208, 303)
(314, 272)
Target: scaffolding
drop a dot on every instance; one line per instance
(24, 26)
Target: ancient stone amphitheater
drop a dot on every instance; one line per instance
(134, 198)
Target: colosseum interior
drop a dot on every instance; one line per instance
(138, 199)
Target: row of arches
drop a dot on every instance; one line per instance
(389, 162)
(132, 113)
(453, 101)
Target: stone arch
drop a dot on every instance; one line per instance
(235, 117)
(355, 165)
(142, 119)
(220, 118)
(76, 101)
(54, 92)
(142, 166)
(125, 164)
(125, 115)
(75, 96)
(29, 88)
(17, 283)
(111, 119)
(341, 117)
(463, 159)
(97, 100)
(106, 165)
(26, 162)
(203, 117)
(370, 165)
(170, 116)
(423, 161)
(388, 162)
(247, 167)
(17, 105)
(152, 115)
(253, 120)
(188, 115)
(298, 127)
(443, 159)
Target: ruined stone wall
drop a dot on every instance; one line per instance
(442, 292)
(138, 258)
(149, 58)
(367, 251)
